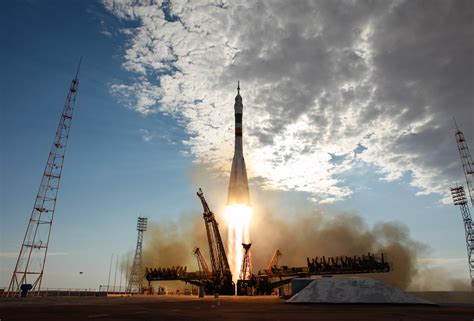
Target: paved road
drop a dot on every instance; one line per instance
(179, 308)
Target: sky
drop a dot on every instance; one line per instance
(348, 106)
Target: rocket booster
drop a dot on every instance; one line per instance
(238, 185)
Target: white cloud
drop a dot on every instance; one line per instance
(147, 136)
(318, 79)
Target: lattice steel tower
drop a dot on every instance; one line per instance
(466, 161)
(29, 267)
(459, 199)
(136, 274)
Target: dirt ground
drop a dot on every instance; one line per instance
(441, 297)
(178, 308)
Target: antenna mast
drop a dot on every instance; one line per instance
(31, 260)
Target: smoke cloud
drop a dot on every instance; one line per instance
(302, 236)
(318, 234)
(292, 225)
(170, 243)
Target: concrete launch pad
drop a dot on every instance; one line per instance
(184, 307)
(338, 290)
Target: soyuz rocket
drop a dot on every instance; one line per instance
(238, 185)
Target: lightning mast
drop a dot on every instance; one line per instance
(466, 161)
(136, 274)
(459, 199)
(31, 260)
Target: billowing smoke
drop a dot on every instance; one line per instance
(169, 243)
(318, 234)
(299, 232)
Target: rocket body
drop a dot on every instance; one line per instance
(238, 185)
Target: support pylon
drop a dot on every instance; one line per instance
(459, 199)
(31, 260)
(136, 274)
(246, 269)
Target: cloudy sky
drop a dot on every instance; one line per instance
(328, 85)
(348, 105)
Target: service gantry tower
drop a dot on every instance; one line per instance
(31, 260)
(459, 199)
(136, 274)
(222, 276)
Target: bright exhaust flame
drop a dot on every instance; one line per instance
(238, 219)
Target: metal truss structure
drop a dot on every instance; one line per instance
(459, 199)
(466, 161)
(29, 268)
(136, 274)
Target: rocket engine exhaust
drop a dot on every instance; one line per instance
(238, 211)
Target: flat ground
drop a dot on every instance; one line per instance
(178, 308)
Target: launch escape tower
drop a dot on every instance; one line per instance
(136, 274)
(460, 199)
(220, 265)
(31, 260)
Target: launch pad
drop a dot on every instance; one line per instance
(218, 279)
(185, 307)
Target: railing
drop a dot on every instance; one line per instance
(110, 289)
(58, 292)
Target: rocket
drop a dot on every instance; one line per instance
(238, 185)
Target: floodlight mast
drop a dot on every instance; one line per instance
(466, 161)
(459, 199)
(136, 274)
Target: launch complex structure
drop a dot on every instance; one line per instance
(216, 277)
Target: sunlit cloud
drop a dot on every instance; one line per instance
(320, 80)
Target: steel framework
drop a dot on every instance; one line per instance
(222, 277)
(219, 262)
(202, 265)
(459, 199)
(31, 260)
(136, 274)
(246, 270)
(263, 283)
(273, 262)
(466, 161)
